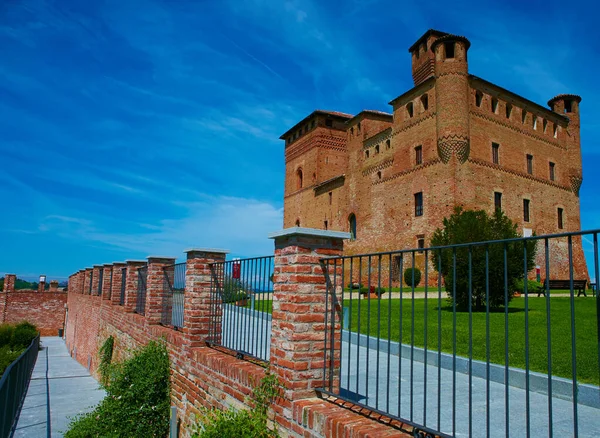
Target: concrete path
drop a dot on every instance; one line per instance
(60, 388)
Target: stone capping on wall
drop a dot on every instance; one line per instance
(380, 137)
(309, 232)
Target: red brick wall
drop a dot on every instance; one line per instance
(46, 310)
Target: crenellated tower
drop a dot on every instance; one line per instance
(452, 97)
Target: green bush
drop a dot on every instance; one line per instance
(106, 354)
(408, 277)
(7, 356)
(137, 401)
(532, 286)
(214, 423)
(6, 332)
(22, 336)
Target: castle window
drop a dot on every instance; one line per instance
(325, 224)
(545, 125)
(420, 243)
(289, 140)
(534, 122)
(352, 130)
(495, 153)
(299, 179)
(379, 175)
(523, 116)
(312, 124)
(297, 222)
(409, 109)
(314, 177)
(367, 153)
(419, 204)
(419, 155)
(358, 127)
(508, 110)
(377, 149)
(330, 197)
(560, 218)
(352, 226)
(478, 98)
(449, 48)
(526, 203)
(425, 101)
(568, 106)
(387, 144)
(494, 105)
(329, 123)
(551, 169)
(498, 200)
(530, 164)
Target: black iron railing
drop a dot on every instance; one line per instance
(123, 286)
(100, 280)
(482, 345)
(241, 303)
(173, 298)
(140, 302)
(13, 387)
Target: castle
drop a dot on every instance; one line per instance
(453, 139)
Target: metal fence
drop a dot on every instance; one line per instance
(173, 299)
(100, 280)
(241, 303)
(13, 387)
(472, 349)
(140, 302)
(123, 286)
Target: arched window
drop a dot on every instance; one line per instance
(409, 109)
(425, 102)
(478, 98)
(352, 226)
(299, 179)
(297, 222)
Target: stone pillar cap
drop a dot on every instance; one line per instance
(106, 265)
(119, 263)
(98, 266)
(309, 232)
(161, 257)
(211, 250)
(135, 261)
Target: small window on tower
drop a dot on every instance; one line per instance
(419, 155)
(534, 122)
(352, 226)
(420, 244)
(494, 105)
(367, 153)
(358, 127)
(524, 116)
(425, 102)
(377, 149)
(560, 219)
(297, 222)
(552, 175)
(498, 200)
(555, 130)
(526, 203)
(568, 106)
(508, 110)
(352, 130)
(379, 175)
(545, 125)
(299, 179)
(329, 123)
(449, 48)
(330, 197)
(478, 98)
(495, 153)
(409, 109)
(419, 204)
(325, 224)
(530, 164)
(387, 144)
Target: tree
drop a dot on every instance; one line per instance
(465, 226)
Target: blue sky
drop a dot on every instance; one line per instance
(136, 128)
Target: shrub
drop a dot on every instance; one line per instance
(137, 401)
(22, 336)
(214, 423)
(7, 356)
(532, 286)
(106, 353)
(466, 226)
(408, 277)
(6, 332)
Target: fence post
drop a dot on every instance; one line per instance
(299, 300)
(117, 279)
(155, 287)
(53, 286)
(196, 312)
(131, 283)
(9, 283)
(106, 279)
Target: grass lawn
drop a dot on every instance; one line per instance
(400, 311)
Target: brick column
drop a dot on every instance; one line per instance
(117, 281)
(131, 283)
(155, 287)
(41, 286)
(54, 286)
(9, 283)
(81, 281)
(96, 279)
(87, 277)
(299, 300)
(106, 281)
(196, 311)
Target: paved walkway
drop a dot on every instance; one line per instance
(60, 388)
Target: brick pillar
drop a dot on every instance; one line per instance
(81, 281)
(196, 311)
(9, 283)
(87, 277)
(117, 281)
(41, 285)
(96, 279)
(155, 287)
(299, 300)
(106, 281)
(131, 283)
(54, 286)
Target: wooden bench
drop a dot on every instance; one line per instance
(578, 285)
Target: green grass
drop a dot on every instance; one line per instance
(560, 318)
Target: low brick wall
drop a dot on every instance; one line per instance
(44, 309)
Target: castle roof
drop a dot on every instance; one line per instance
(335, 114)
(426, 35)
(372, 112)
(564, 96)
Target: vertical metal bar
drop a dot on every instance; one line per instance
(506, 374)
(412, 337)
(439, 342)
(349, 328)
(327, 262)
(470, 340)
(573, 347)
(378, 330)
(389, 330)
(454, 341)
(597, 278)
(527, 380)
(425, 359)
(341, 324)
(368, 328)
(400, 334)
(358, 326)
(548, 337)
(487, 341)
(332, 337)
